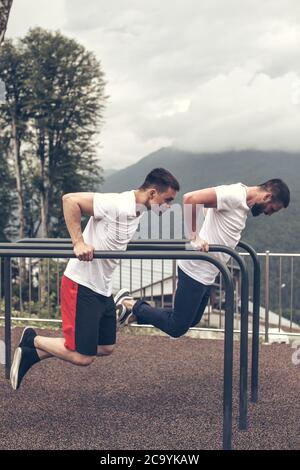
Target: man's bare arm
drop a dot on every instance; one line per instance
(74, 206)
(206, 197)
(203, 197)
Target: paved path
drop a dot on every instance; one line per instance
(152, 393)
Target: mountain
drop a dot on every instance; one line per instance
(107, 172)
(194, 171)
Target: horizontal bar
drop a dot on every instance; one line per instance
(116, 254)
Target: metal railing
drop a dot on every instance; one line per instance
(283, 295)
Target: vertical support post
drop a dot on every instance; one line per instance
(173, 280)
(29, 287)
(228, 366)
(267, 296)
(292, 292)
(7, 296)
(48, 286)
(280, 293)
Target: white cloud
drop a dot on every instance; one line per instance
(236, 111)
(208, 75)
(27, 14)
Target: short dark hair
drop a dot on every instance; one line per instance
(161, 180)
(280, 191)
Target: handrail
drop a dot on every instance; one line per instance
(229, 317)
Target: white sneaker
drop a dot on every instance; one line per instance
(119, 295)
(122, 312)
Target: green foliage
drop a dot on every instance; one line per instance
(6, 197)
(53, 112)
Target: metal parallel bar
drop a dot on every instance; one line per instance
(244, 312)
(152, 242)
(120, 272)
(280, 293)
(228, 343)
(162, 284)
(267, 296)
(7, 297)
(20, 286)
(152, 280)
(183, 245)
(39, 286)
(141, 278)
(291, 293)
(68, 245)
(256, 310)
(37, 246)
(173, 280)
(29, 287)
(57, 284)
(256, 302)
(45, 240)
(48, 286)
(220, 302)
(130, 275)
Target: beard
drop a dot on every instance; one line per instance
(257, 209)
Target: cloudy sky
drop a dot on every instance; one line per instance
(204, 76)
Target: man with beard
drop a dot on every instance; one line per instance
(226, 209)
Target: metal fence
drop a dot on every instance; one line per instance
(280, 289)
(156, 280)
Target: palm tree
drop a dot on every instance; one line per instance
(5, 6)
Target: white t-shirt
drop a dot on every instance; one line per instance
(222, 225)
(111, 228)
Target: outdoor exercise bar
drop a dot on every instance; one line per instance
(229, 315)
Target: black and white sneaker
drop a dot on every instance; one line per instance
(124, 319)
(121, 311)
(120, 295)
(27, 338)
(24, 359)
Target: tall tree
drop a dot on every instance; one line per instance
(64, 102)
(13, 118)
(5, 6)
(51, 118)
(6, 196)
(49, 125)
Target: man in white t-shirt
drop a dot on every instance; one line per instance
(227, 208)
(88, 309)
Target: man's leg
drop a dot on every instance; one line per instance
(55, 347)
(25, 357)
(80, 323)
(190, 294)
(107, 329)
(202, 308)
(105, 350)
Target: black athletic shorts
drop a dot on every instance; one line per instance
(88, 318)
